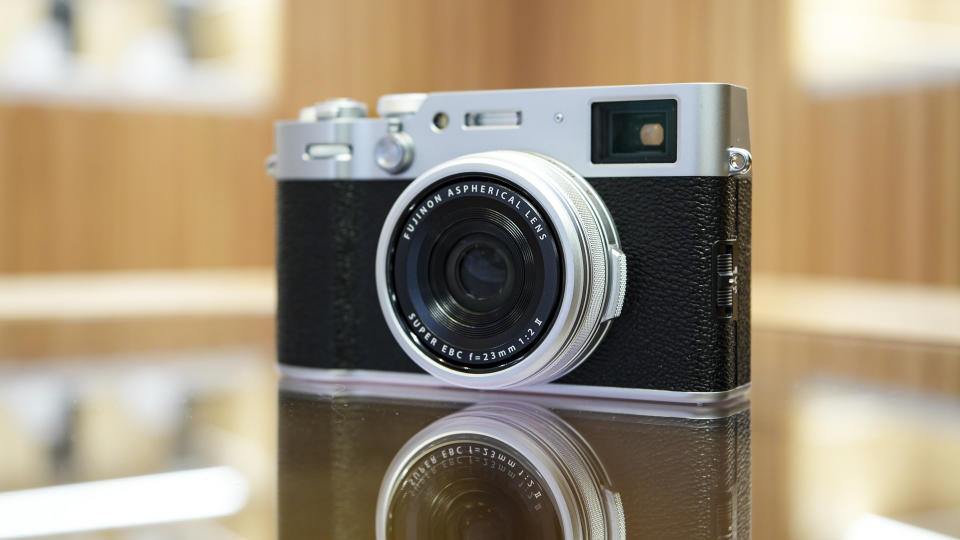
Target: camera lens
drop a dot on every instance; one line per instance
(472, 274)
(499, 269)
(500, 471)
(481, 272)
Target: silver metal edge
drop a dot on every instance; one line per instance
(711, 117)
(555, 354)
(612, 290)
(634, 401)
(616, 259)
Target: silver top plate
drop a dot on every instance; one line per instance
(711, 117)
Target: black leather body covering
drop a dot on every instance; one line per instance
(668, 336)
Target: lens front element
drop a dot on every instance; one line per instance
(499, 269)
(482, 272)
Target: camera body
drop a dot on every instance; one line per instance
(608, 240)
(365, 461)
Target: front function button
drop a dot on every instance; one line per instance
(394, 152)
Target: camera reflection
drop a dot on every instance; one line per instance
(366, 461)
(504, 469)
(469, 488)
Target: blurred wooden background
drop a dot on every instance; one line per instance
(856, 186)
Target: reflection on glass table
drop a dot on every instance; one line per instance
(138, 446)
(873, 464)
(365, 461)
(848, 440)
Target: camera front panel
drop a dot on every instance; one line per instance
(668, 336)
(328, 316)
(673, 332)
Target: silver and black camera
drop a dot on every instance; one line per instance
(595, 237)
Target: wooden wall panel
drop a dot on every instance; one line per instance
(887, 195)
(104, 189)
(858, 186)
(366, 48)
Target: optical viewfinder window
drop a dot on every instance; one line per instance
(635, 131)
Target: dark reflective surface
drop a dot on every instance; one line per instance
(850, 440)
(395, 462)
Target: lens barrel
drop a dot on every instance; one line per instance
(499, 269)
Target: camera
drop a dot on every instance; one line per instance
(594, 238)
(375, 461)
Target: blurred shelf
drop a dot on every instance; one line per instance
(872, 310)
(122, 295)
(116, 311)
(203, 91)
(198, 88)
(207, 55)
(72, 315)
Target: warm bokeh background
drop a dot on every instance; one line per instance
(136, 219)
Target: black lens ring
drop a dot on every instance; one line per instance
(451, 313)
(464, 270)
(413, 302)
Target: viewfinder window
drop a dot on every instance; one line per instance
(635, 131)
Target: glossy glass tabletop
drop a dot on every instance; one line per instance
(839, 439)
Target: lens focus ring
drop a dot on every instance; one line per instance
(565, 208)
